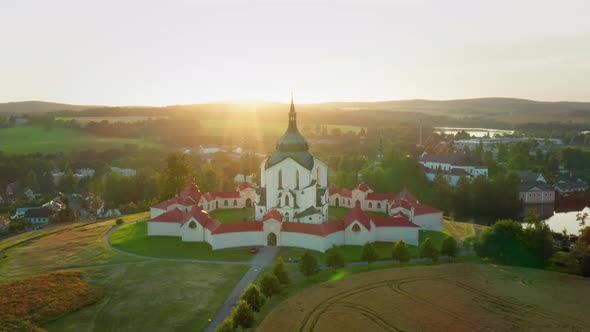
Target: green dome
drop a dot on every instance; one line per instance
(292, 144)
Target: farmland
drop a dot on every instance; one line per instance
(30, 139)
(459, 297)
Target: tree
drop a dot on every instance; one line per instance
(243, 315)
(270, 285)
(401, 252)
(428, 250)
(175, 174)
(369, 253)
(334, 257)
(280, 271)
(119, 222)
(31, 181)
(253, 296)
(226, 326)
(308, 264)
(449, 247)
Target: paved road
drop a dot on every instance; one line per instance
(264, 258)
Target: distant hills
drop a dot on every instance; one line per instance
(507, 110)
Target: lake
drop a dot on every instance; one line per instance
(475, 132)
(567, 220)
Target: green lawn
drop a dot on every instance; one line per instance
(154, 296)
(29, 139)
(233, 215)
(70, 246)
(133, 238)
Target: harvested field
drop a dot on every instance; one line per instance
(454, 297)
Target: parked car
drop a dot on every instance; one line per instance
(254, 250)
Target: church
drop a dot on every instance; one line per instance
(291, 207)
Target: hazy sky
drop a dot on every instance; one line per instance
(171, 52)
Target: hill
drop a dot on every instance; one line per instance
(22, 107)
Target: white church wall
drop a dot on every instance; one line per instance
(336, 238)
(429, 222)
(163, 228)
(192, 234)
(358, 238)
(393, 234)
(301, 240)
(237, 239)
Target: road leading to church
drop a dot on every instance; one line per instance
(264, 258)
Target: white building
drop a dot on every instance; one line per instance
(292, 180)
(123, 171)
(292, 208)
(451, 166)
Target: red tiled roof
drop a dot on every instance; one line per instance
(363, 187)
(175, 200)
(357, 214)
(211, 224)
(228, 194)
(172, 216)
(332, 227)
(313, 229)
(246, 185)
(405, 193)
(341, 192)
(404, 203)
(245, 226)
(191, 191)
(420, 209)
(380, 196)
(273, 214)
(398, 220)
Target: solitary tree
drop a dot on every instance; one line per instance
(270, 284)
(428, 250)
(401, 252)
(449, 247)
(243, 315)
(280, 271)
(369, 253)
(334, 257)
(253, 296)
(308, 264)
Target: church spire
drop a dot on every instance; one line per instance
(292, 116)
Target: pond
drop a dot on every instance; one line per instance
(475, 132)
(567, 220)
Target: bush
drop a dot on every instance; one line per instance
(401, 252)
(308, 264)
(428, 250)
(226, 326)
(243, 315)
(335, 258)
(270, 285)
(280, 271)
(119, 222)
(450, 247)
(253, 296)
(369, 253)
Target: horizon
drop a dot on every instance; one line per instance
(144, 53)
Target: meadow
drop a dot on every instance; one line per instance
(31, 139)
(65, 247)
(458, 297)
(133, 238)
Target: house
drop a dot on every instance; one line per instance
(20, 212)
(569, 184)
(124, 171)
(529, 177)
(38, 215)
(242, 178)
(452, 166)
(4, 222)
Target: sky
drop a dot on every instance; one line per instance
(128, 52)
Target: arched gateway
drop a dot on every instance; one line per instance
(271, 239)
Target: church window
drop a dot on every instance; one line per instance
(280, 178)
(287, 200)
(356, 228)
(370, 205)
(235, 202)
(225, 203)
(192, 225)
(297, 179)
(378, 205)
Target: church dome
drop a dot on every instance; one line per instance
(292, 144)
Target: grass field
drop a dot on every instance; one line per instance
(337, 213)
(233, 215)
(462, 230)
(133, 238)
(126, 119)
(29, 139)
(154, 296)
(457, 297)
(69, 247)
(36, 300)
